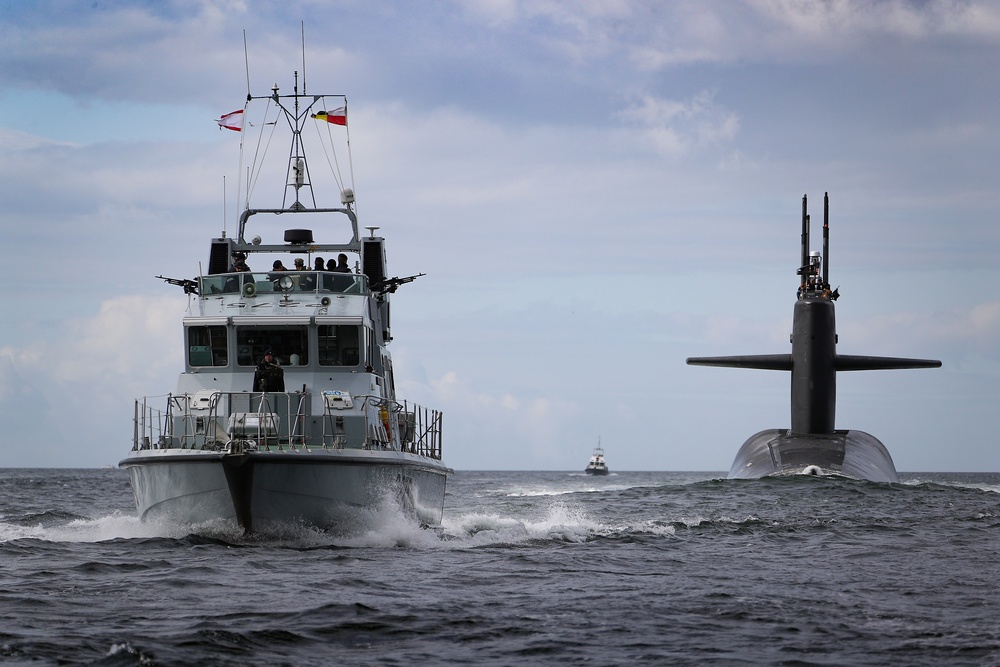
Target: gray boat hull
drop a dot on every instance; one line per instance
(853, 454)
(334, 490)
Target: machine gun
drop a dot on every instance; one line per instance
(389, 285)
(190, 286)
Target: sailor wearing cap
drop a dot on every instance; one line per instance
(268, 376)
(240, 262)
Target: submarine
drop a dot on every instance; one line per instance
(813, 446)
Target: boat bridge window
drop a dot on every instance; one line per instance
(208, 346)
(339, 344)
(344, 283)
(302, 281)
(284, 341)
(226, 283)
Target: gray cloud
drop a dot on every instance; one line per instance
(596, 190)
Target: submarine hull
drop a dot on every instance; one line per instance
(854, 454)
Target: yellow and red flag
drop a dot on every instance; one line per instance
(337, 116)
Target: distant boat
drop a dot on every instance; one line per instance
(597, 466)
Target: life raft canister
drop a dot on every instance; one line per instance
(384, 416)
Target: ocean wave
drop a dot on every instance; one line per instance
(385, 527)
(72, 528)
(560, 522)
(972, 485)
(45, 518)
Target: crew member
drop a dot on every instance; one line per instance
(815, 280)
(268, 376)
(240, 262)
(342, 266)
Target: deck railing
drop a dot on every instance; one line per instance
(279, 421)
(426, 425)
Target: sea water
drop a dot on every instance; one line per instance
(527, 568)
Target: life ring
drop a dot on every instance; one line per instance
(249, 289)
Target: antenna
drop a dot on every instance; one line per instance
(224, 206)
(246, 60)
(303, 23)
(826, 240)
(804, 263)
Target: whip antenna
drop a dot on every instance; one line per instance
(246, 61)
(303, 23)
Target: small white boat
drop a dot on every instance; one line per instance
(597, 466)
(286, 410)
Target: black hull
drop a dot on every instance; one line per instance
(854, 454)
(596, 472)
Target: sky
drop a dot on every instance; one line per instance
(596, 190)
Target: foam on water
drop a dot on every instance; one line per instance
(383, 527)
(386, 525)
(552, 514)
(560, 522)
(957, 484)
(131, 655)
(113, 526)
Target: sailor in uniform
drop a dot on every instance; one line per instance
(268, 376)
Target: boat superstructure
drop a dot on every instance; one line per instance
(813, 445)
(597, 465)
(286, 410)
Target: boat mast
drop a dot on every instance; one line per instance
(298, 168)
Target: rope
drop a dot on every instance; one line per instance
(258, 158)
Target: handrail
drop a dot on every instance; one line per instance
(354, 245)
(249, 421)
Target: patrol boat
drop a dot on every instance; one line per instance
(597, 466)
(315, 433)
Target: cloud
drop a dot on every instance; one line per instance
(70, 393)
(968, 333)
(677, 128)
(596, 190)
(662, 36)
(30, 425)
(834, 21)
(583, 18)
(532, 425)
(12, 141)
(115, 345)
(135, 53)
